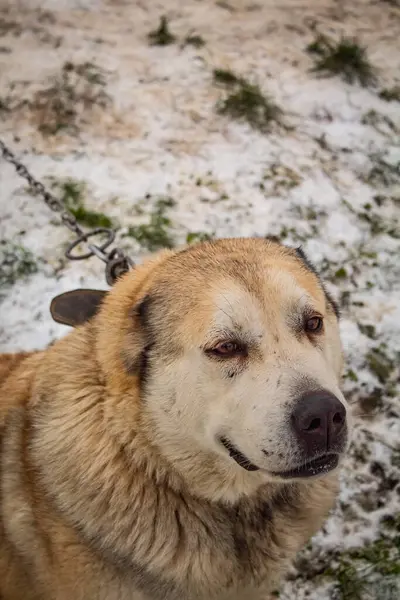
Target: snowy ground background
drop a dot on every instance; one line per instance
(329, 180)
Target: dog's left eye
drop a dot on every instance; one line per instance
(227, 350)
(314, 325)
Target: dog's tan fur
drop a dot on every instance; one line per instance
(111, 485)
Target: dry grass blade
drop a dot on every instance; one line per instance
(246, 101)
(70, 98)
(161, 36)
(346, 58)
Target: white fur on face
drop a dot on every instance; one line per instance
(197, 399)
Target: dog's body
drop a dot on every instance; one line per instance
(121, 474)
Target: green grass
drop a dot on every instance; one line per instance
(371, 572)
(380, 364)
(390, 94)
(226, 77)
(9, 27)
(69, 99)
(155, 234)
(378, 225)
(4, 104)
(280, 177)
(245, 101)
(375, 119)
(351, 375)
(194, 237)
(372, 402)
(10, 101)
(317, 46)
(72, 194)
(341, 273)
(194, 40)
(349, 585)
(16, 262)
(161, 36)
(345, 58)
(383, 174)
(367, 330)
(380, 174)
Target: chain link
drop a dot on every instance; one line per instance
(52, 202)
(116, 261)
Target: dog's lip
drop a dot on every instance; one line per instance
(312, 468)
(237, 455)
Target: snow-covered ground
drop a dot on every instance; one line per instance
(329, 179)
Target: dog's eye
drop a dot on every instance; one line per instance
(314, 325)
(228, 349)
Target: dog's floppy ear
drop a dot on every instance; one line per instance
(76, 307)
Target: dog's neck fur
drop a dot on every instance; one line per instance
(132, 505)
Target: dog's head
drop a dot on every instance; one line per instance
(233, 350)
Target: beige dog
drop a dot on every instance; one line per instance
(183, 443)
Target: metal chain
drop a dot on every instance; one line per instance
(116, 261)
(52, 202)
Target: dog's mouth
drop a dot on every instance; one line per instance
(318, 466)
(237, 456)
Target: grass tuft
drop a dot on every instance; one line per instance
(279, 178)
(11, 101)
(155, 234)
(4, 104)
(368, 330)
(246, 102)
(161, 36)
(341, 273)
(390, 94)
(194, 237)
(9, 27)
(346, 58)
(317, 46)
(380, 364)
(226, 77)
(70, 98)
(72, 194)
(194, 40)
(371, 572)
(15, 262)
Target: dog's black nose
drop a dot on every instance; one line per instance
(319, 421)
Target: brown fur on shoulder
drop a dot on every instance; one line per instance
(16, 372)
(9, 362)
(114, 482)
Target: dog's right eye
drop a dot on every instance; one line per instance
(228, 350)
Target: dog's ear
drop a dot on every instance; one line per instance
(76, 307)
(137, 344)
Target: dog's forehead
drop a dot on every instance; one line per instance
(247, 260)
(245, 279)
(276, 292)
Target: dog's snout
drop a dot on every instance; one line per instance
(319, 422)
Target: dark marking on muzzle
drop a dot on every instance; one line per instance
(238, 456)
